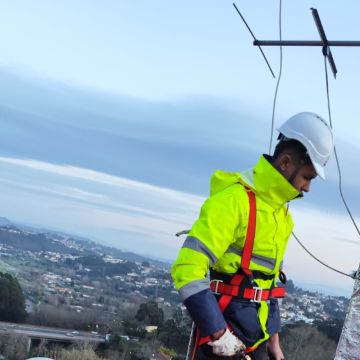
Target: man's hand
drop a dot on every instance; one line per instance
(227, 345)
(273, 348)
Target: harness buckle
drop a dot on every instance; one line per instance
(257, 294)
(216, 281)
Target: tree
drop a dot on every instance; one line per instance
(290, 287)
(78, 352)
(13, 346)
(302, 341)
(332, 328)
(12, 301)
(174, 336)
(150, 314)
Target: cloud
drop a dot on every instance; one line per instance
(175, 144)
(105, 179)
(107, 202)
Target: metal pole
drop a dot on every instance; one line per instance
(252, 34)
(304, 43)
(326, 48)
(349, 343)
(28, 347)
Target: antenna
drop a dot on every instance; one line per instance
(324, 42)
(252, 34)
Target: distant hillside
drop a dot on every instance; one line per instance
(99, 267)
(22, 237)
(4, 221)
(10, 235)
(124, 255)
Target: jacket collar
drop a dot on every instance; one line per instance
(269, 184)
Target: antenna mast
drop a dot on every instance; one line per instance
(349, 343)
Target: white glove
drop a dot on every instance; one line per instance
(227, 345)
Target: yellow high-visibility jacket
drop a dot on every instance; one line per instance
(217, 238)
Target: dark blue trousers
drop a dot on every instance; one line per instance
(242, 316)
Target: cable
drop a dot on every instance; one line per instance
(353, 276)
(272, 126)
(190, 347)
(321, 262)
(278, 81)
(335, 152)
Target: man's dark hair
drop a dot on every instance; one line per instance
(294, 148)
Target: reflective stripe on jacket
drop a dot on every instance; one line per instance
(217, 237)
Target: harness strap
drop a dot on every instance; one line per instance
(223, 303)
(258, 294)
(224, 300)
(254, 293)
(250, 234)
(236, 280)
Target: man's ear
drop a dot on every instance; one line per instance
(285, 161)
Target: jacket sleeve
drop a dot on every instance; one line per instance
(209, 238)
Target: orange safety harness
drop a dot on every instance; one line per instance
(233, 288)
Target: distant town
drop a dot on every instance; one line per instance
(84, 275)
(78, 284)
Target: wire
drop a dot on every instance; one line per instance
(335, 152)
(321, 262)
(278, 81)
(190, 348)
(353, 276)
(272, 126)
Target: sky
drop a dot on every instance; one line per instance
(114, 115)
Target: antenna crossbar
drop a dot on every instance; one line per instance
(304, 43)
(324, 42)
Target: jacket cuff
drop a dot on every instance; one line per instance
(205, 312)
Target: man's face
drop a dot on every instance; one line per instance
(303, 178)
(299, 176)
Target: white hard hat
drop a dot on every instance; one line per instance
(314, 133)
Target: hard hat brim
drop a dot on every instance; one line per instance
(319, 170)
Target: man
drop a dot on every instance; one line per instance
(241, 236)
